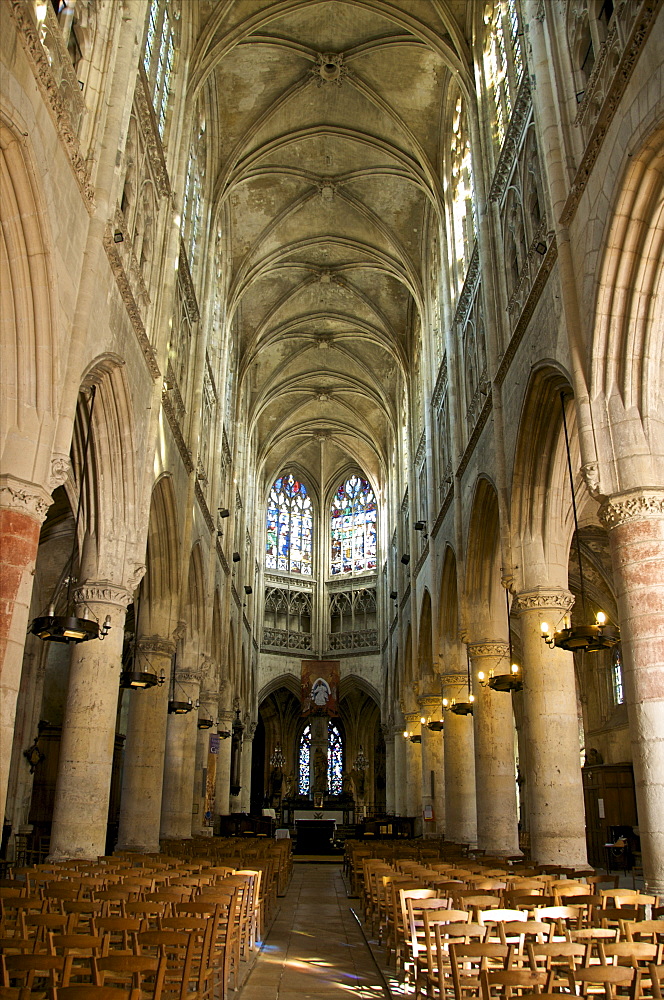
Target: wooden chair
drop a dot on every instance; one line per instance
(656, 973)
(28, 968)
(141, 973)
(604, 980)
(92, 992)
(557, 959)
(507, 980)
(468, 960)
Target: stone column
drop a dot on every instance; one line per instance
(318, 754)
(389, 770)
(635, 523)
(207, 710)
(553, 766)
(23, 508)
(223, 789)
(433, 778)
(495, 773)
(413, 769)
(143, 772)
(400, 801)
(460, 803)
(80, 814)
(247, 754)
(179, 763)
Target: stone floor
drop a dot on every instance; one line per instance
(315, 949)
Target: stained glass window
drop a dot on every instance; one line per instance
(618, 692)
(303, 761)
(335, 760)
(353, 527)
(158, 58)
(289, 527)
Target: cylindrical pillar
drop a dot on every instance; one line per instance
(143, 772)
(413, 768)
(495, 771)
(247, 754)
(433, 778)
(223, 787)
(460, 806)
(389, 771)
(553, 766)
(23, 507)
(80, 813)
(179, 763)
(400, 801)
(635, 523)
(207, 710)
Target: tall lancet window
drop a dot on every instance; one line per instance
(353, 528)
(335, 760)
(289, 527)
(304, 758)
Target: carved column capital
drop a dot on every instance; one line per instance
(488, 647)
(430, 704)
(635, 505)
(410, 717)
(26, 498)
(155, 644)
(187, 676)
(543, 600)
(103, 593)
(451, 680)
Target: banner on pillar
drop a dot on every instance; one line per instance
(320, 687)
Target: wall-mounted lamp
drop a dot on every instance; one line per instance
(224, 512)
(420, 525)
(405, 559)
(118, 236)
(236, 557)
(393, 595)
(248, 589)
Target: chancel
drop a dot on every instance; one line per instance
(332, 482)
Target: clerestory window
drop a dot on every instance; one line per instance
(289, 527)
(353, 528)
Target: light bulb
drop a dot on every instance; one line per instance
(405, 734)
(480, 676)
(545, 628)
(601, 618)
(471, 698)
(423, 720)
(515, 668)
(445, 702)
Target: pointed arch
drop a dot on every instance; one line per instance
(28, 373)
(483, 555)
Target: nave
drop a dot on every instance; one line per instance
(315, 947)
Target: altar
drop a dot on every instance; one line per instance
(314, 836)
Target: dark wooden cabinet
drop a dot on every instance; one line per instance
(610, 802)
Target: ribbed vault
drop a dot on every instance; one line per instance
(327, 181)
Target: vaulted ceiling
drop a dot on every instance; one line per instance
(328, 192)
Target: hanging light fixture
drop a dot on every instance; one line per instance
(277, 758)
(580, 638)
(68, 627)
(133, 678)
(361, 762)
(504, 682)
(461, 707)
(204, 723)
(175, 706)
